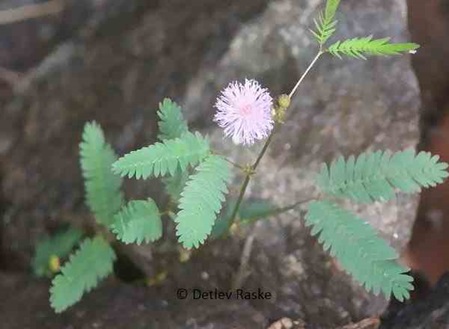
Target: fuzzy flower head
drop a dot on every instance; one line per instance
(244, 112)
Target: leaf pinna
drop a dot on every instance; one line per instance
(138, 221)
(201, 201)
(326, 23)
(358, 249)
(163, 158)
(172, 124)
(362, 47)
(103, 194)
(374, 176)
(59, 245)
(91, 263)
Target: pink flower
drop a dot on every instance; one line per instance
(244, 111)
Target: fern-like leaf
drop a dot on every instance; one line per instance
(326, 23)
(91, 263)
(138, 221)
(163, 158)
(359, 47)
(103, 194)
(172, 124)
(369, 259)
(201, 201)
(59, 245)
(373, 176)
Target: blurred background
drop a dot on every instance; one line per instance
(66, 62)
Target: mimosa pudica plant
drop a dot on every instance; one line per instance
(197, 179)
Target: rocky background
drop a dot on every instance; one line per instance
(113, 61)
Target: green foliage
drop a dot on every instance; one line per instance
(354, 243)
(59, 245)
(373, 176)
(326, 23)
(138, 221)
(102, 186)
(172, 124)
(359, 47)
(163, 158)
(201, 201)
(91, 263)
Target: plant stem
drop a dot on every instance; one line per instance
(281, 210)
(240, 199)
(276, 127)
(293, 206)
(234, 164)
(248, 174)
(305, 73)
(265, 147)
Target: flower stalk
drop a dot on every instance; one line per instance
(321, 52)
(278, 114)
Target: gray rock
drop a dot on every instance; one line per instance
(343, 107)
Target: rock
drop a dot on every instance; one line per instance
(286, 323)
(428, 250)
(343, 107)
(370, 323)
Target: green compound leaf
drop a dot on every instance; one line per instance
(201, 201)
(369, 259)
(103, 194)
(59, 245)
(359, 47)
(138, 221)
(326, 23)
(91, 263)
(172, 124)
(163, 158)
(374, 176)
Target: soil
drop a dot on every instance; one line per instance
(122, 306)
